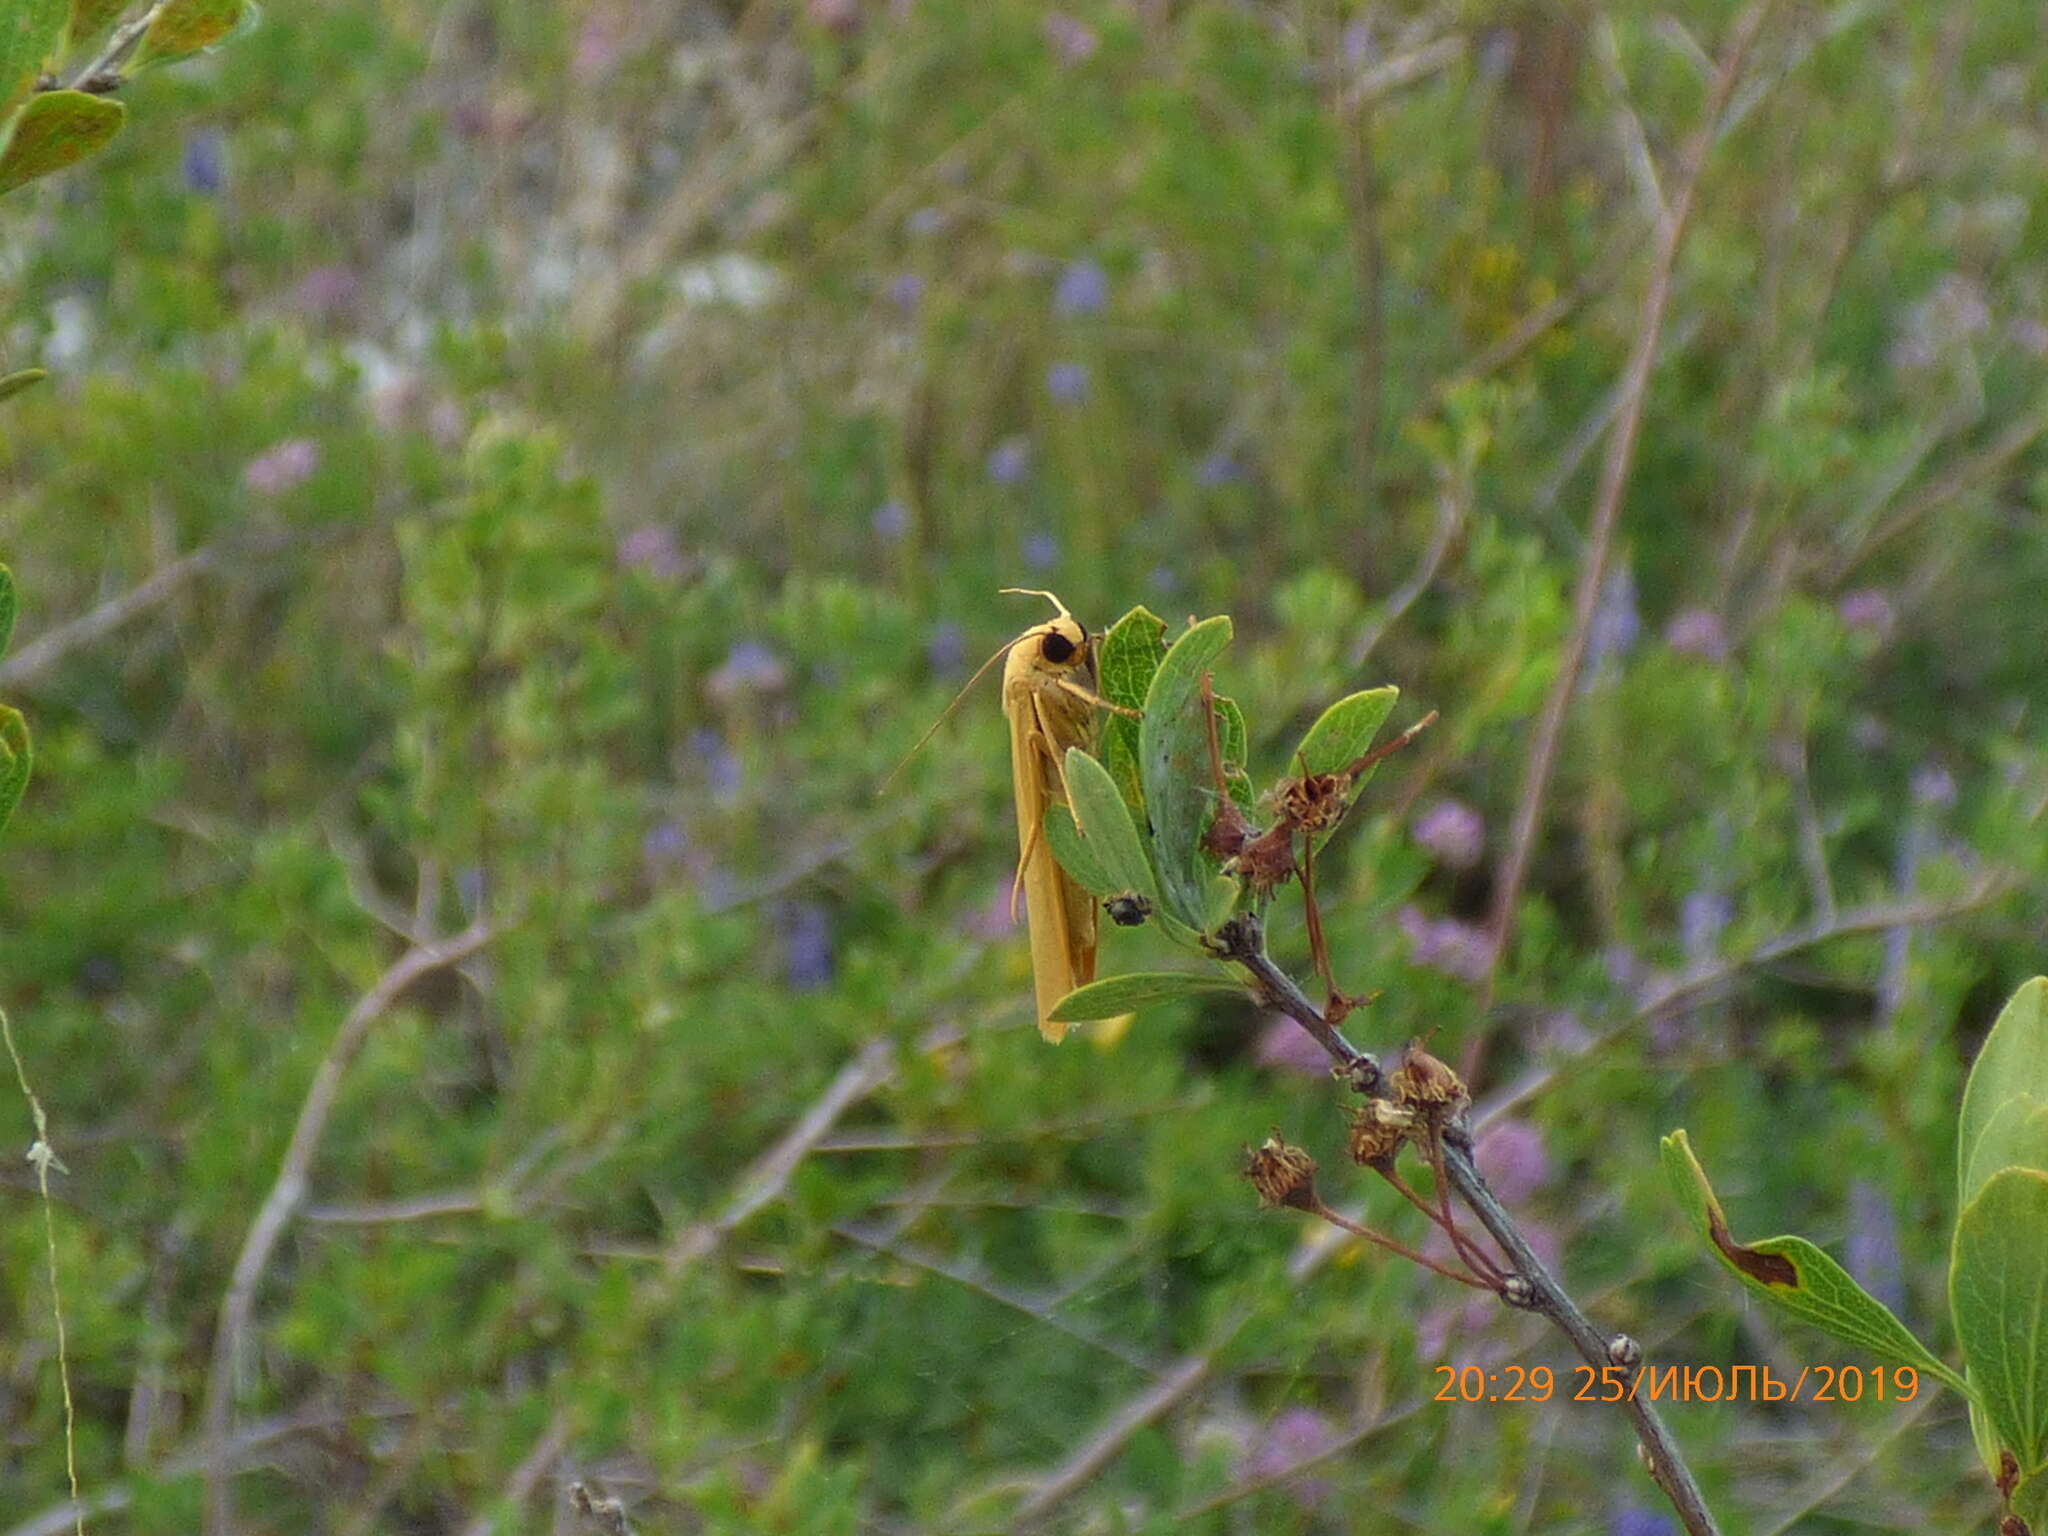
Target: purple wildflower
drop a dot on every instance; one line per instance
(806, 932)
(1083, 289)
(1514, 1159)
(280, 468)
(1010, 460)
(664, 844)
(1285, 1045)
(652, 548)
(329, 291)
(1294, 1435)
(1164, 580)
(203, 163)
(1634, 1520)
(1697, 632)
(1073, 41)
(891, 521)
(1454, 832)
(749, 667)
(1933, 785)
(1067, 382)
(1456, 949)
(906, 289)
(1872, 1252)
(1219, 468)
(1616, 623)
(1702, 918)
(723, 775)
(1041, 551)
(1868, 609)
(946, 651)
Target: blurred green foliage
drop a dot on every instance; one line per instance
(550, 463)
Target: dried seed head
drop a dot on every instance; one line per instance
(1314, 802)
(1426, 1084)
(1378, 1128)
(1282, 1175)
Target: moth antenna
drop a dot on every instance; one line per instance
(946, 714)
(1037, 592)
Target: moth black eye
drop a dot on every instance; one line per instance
(1057, 647)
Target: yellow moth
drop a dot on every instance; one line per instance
(1049, 699)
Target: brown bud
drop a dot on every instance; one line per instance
(1282, 1175)
(1378, 1128)
(2008, 1473)
(2013, 1525)
(1426, 1084)
(1267, 861)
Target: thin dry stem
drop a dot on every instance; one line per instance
(42, 1156)
(1615, 474)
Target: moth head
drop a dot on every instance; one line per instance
(1062, 642)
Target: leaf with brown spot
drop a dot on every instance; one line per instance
(56, 129)
(1798, 1276)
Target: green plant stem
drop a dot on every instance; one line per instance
(1243, 941)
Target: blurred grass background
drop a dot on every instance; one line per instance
(548, 463)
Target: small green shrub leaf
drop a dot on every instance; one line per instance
(186, 27)
(2012, 1062)
(29, 34)
(57, 129)
(89, 19)
(1796, 1275)
(16, 759)
(1231, 739)
(1173, 764)
(1107, 830)
(2016, 1136)
(8, 607)
(1124, 665)
(1997, 1282)
(1115, 995)
(1344, 732)
(14, 383)
(1074, 853)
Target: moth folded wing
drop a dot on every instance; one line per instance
(1035, 783)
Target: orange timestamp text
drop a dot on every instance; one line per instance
(1676, 1383)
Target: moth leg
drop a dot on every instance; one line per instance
(1090, 696)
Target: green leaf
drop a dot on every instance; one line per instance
(14, 383)
(1173, 764)
(1074, 853)
(2016, 1136)
(15, 760)
(8, 607)
(57, 129)
(186, 27)
(1106, 828)
(1997, 1289)
(1115, 995)
(1346, 729)
(29, 33)
(89, 19)
(2012, 1061)
(1796, 1275)
(1124, 665)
